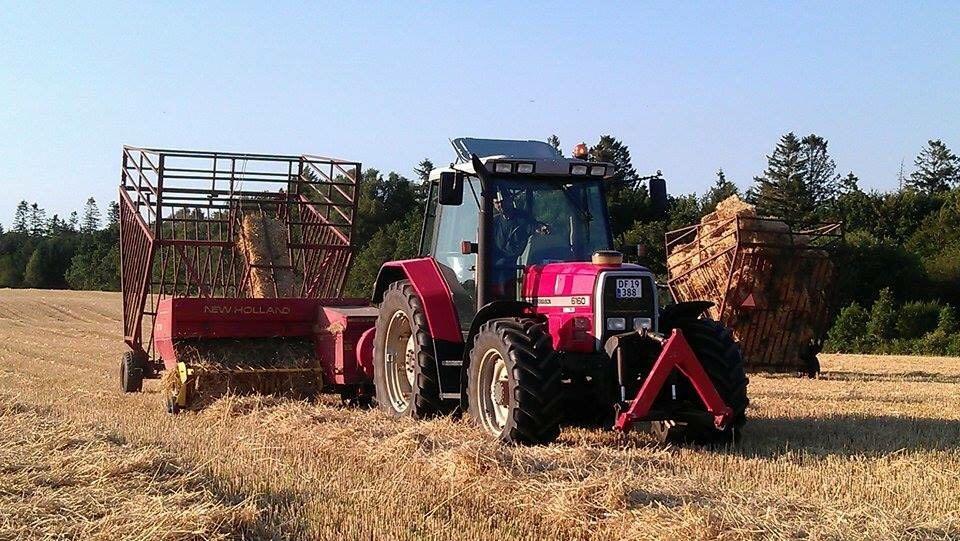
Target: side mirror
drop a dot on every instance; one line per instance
(451, 188)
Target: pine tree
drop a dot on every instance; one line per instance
(938, 169)
(38, 220)
(611, 149)
(800, 181)
(73, 222)
(113, 215)
(56, 226)
(423, 170)
(850, 184)
(821, 176)
(1, 229)
(91, 217)
(35, 273)
(781, 190)
(720, 190)
(21, 219)
(554, 141)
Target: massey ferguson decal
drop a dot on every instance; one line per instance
(227, 310)
(575, 300)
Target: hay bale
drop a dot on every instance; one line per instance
(263, 243)
(768, 281)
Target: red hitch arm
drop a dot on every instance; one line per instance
(676, 353)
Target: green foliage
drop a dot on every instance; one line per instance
(720, 190)
(395, 241)
(947, 320)
(938, 169)
(96, 264)
(883, 316)
(917, 318)
(10, 273)
(922, 328)
(554, 141)
(849, 331)
(867, 265)
(35, 274)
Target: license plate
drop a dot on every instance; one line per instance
(629, 288)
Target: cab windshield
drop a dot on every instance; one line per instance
(543, 221)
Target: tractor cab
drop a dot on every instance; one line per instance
(518, 312)
(494, 221)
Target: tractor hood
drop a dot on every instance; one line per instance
(567, 283)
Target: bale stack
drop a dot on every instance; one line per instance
(263, 243)
(767, 283)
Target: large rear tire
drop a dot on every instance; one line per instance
(132, 368)
(404, 363)
(721, 359)
(514, 388)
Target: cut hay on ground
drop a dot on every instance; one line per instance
(869, 452)
(62, 479)
(223, 366)
(771, 285)
(263, 243)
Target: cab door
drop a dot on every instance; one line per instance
(455, 224)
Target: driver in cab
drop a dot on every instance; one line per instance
(512, 228)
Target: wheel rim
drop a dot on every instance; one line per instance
(400, 360)
(493, 391)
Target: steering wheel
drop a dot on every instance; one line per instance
(515, 242)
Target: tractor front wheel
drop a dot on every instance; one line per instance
(132, 367)
(720, 356)
(514, 388)
(404, 363)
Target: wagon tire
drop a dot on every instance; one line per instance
(132, 368)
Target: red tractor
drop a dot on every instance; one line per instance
(520, 313)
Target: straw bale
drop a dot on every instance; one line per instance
(764, 261)
(263, 242)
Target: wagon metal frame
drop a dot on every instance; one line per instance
(180, 215)
(745, 243)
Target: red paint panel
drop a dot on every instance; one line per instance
(424, 275)
(365, 352)
(336, 336)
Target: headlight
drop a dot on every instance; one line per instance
(578, 169)
(524, 168)
(503, 167)
(642, 323)
(616, 324)
(598, 171)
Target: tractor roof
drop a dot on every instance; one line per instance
(546, 159)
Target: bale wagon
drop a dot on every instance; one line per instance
(771, 282)
(232, 269)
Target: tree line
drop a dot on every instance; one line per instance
(78, 252)
(905, 240)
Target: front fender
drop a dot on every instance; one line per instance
(424, 274)
(672, 315)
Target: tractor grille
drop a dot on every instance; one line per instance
(628, 308)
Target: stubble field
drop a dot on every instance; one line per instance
(869, 451)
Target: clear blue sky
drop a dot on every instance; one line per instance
(689, 88)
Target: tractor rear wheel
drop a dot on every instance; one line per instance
(404, 363)
(720, 357)
(132, 367)
(514, 388)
